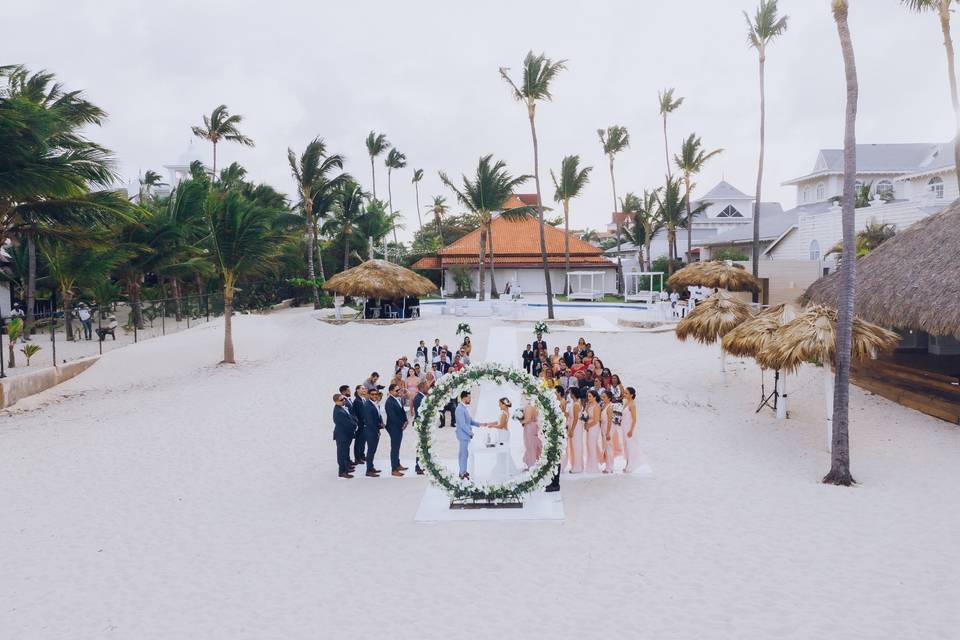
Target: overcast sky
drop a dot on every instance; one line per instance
(425, 73)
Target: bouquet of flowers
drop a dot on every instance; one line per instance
(463, 328)
(540, 326)
(518, 415)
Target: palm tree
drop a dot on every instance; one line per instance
(395, 160)
(761, 31)
(343, 224)
(417, 177)
(667, 105)
(840, 450)
(646, 223)
(572, 181)
(310, 173)
(671, 209)
(487, 193)
(690, 161)
(148, 181)
(942, 8)
(614, 140)
(73, 266)
(220, 125)
(377, 143)
(538, 72)
(247, 238)
(439, 209)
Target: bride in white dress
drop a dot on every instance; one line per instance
(504, 468)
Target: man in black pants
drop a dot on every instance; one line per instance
(396, 423)
(371, 433)
(359, 440)
(344, 426)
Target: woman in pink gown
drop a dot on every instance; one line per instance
(592, 428)
(413, 383)
(575, 421)
(632, 447)
(532, 446)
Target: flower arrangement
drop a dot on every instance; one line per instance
(464, 329)
(540, 326)
(518, 415)
(552, 425)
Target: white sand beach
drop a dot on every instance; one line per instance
(158, 495)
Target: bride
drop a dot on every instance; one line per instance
(504, 467)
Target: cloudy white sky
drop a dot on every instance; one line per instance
(425, 73)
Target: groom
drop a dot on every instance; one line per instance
(465, 424)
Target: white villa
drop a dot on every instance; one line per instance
(176, 172)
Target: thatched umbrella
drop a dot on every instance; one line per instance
(911, 281)
(752, 337)
(716, 275)
(812, 337)
(712, 319)
(379, 279)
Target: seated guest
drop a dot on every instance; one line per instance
(370, 383)
(457, 364)
(435, 350)
(577, 365)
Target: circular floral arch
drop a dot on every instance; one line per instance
(552, 426)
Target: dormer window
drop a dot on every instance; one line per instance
(729, 212)
(821, 192)
(936, 187)
(807, 194)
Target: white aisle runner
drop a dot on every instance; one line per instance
(435, 505)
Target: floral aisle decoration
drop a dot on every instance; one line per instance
(541, 327)
(464, 329)
(552, 426)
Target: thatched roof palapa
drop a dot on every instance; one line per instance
(379, 279)
(716, 275)
(713, 318)
(812, 336)
(751, 337)
(911, 281)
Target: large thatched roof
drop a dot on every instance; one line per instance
(713, 318)
(812, 335)
(716, 275)
(911, 281)
(751, 337)
(379, 279)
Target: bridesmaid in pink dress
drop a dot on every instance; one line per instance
(632, 448)
(592, 428)
(575, 421)
(532, 446)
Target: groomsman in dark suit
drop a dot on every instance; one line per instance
(539, 343)
(371, 433)
(359, 440)
(344, 426)
(396, 423)
(422, 390)
(568, 356)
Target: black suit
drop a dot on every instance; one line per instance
(396, 421)
(371, 430)
(568, 358)
(344, 428)
(359, 440)
(539, 344)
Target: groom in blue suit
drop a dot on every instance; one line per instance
(396, 423)
(465, 424)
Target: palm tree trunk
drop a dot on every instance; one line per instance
(373, 177)
(31, 285)
(66, 298)
(543, 239)
(755, 254)
(12, 360)
(649, 240)
(390, 198)
(686, 185)
(944, 10)
(311, 273)
(228, 357)
(613, 183)
(198, 281)
(671, 254)
(346, 251)
(439, 229)
(177, 308)
(133, 291)
(493, 275)
(666, 148)
(416, 191)
(840, 454)
(214, 171)
(482, 271)
(316, 247)
(566, 246)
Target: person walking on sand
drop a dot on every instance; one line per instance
(465, 424)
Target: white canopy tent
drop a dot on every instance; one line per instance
(585, 293)
(632, 289)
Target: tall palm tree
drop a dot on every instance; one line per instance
(667, 106)
(220, 125)
(762, 29)
(486, 194)
(311, 175)
(395, 160)
(247, 239)
(148, 181)
(572, 181)
(646, 222)
(377, 143)
(942, 8)
(343, 224)
(417, 177)
(840, 448)
(690, 162)
(439, 209)
(538, 72)
(614, 140)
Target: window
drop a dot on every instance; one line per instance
(821, 192)
(858, 184)
(814, 250)
(936, 187)
(807, 194)
(884, 188)
(729, 212)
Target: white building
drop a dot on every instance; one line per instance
(177, 171)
